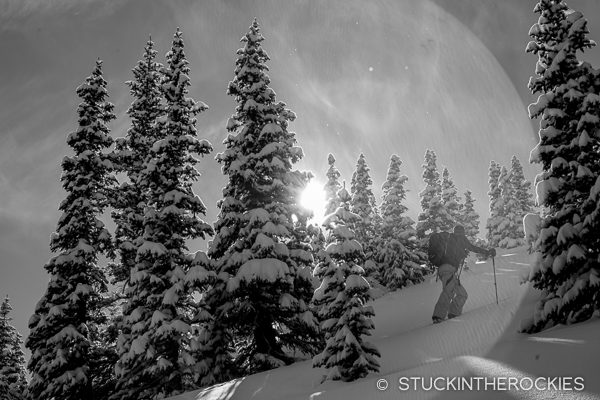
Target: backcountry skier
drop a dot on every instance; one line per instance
(453, 296)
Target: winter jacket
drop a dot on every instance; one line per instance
(458, 249)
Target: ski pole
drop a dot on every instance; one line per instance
(495, 284)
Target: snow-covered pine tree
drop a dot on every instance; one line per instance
(363, 203)
(469, 217)
(521, 187)
(332, 186)
(131, 157)
(155, 357)
(450, 200)
(399, 252)
(342, 299)
(433, 214)
(331, 204)
(258, 302)
(103, 346)
(317, 245)
(302, 245)
(59, 339)
(496, 210)
(566, 268)
(13, 381)
(499, 221)
(510, 230)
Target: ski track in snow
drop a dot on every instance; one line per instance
(482, 342)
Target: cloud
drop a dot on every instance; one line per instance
(29, 175)
(23, 252)
(14, 13)
(502, 27)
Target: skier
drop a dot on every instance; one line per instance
(453, 296)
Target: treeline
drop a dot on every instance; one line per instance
(395, 245)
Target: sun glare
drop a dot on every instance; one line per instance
(313, 199)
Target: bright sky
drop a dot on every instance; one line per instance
(377, 77)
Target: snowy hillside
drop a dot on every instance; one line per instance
(482, 343)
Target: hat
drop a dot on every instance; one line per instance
(459, 230)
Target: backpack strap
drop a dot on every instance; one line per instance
(446, 245)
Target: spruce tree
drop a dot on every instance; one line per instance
(469, 217)
(342, 298)
(155, 355)
(259, 302)
(60, 327)
(433, 215)
(499, 221)
(566, 267)
(363, 204)
(521, 187)
(510, 231)
(398, 252)
(13, 381)
(450, 200)
(103, 347)
(496, 210)
(132, 153)
(317, 241)
(332, 186)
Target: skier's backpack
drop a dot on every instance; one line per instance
(438, 246)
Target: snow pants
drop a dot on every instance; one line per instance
(453, 296)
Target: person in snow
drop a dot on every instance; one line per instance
(453, 296)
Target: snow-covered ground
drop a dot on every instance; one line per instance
(481, 347)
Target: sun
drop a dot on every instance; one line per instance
(313, 199)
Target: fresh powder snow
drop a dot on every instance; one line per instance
(482, 343)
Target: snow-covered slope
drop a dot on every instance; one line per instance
(481, 343)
